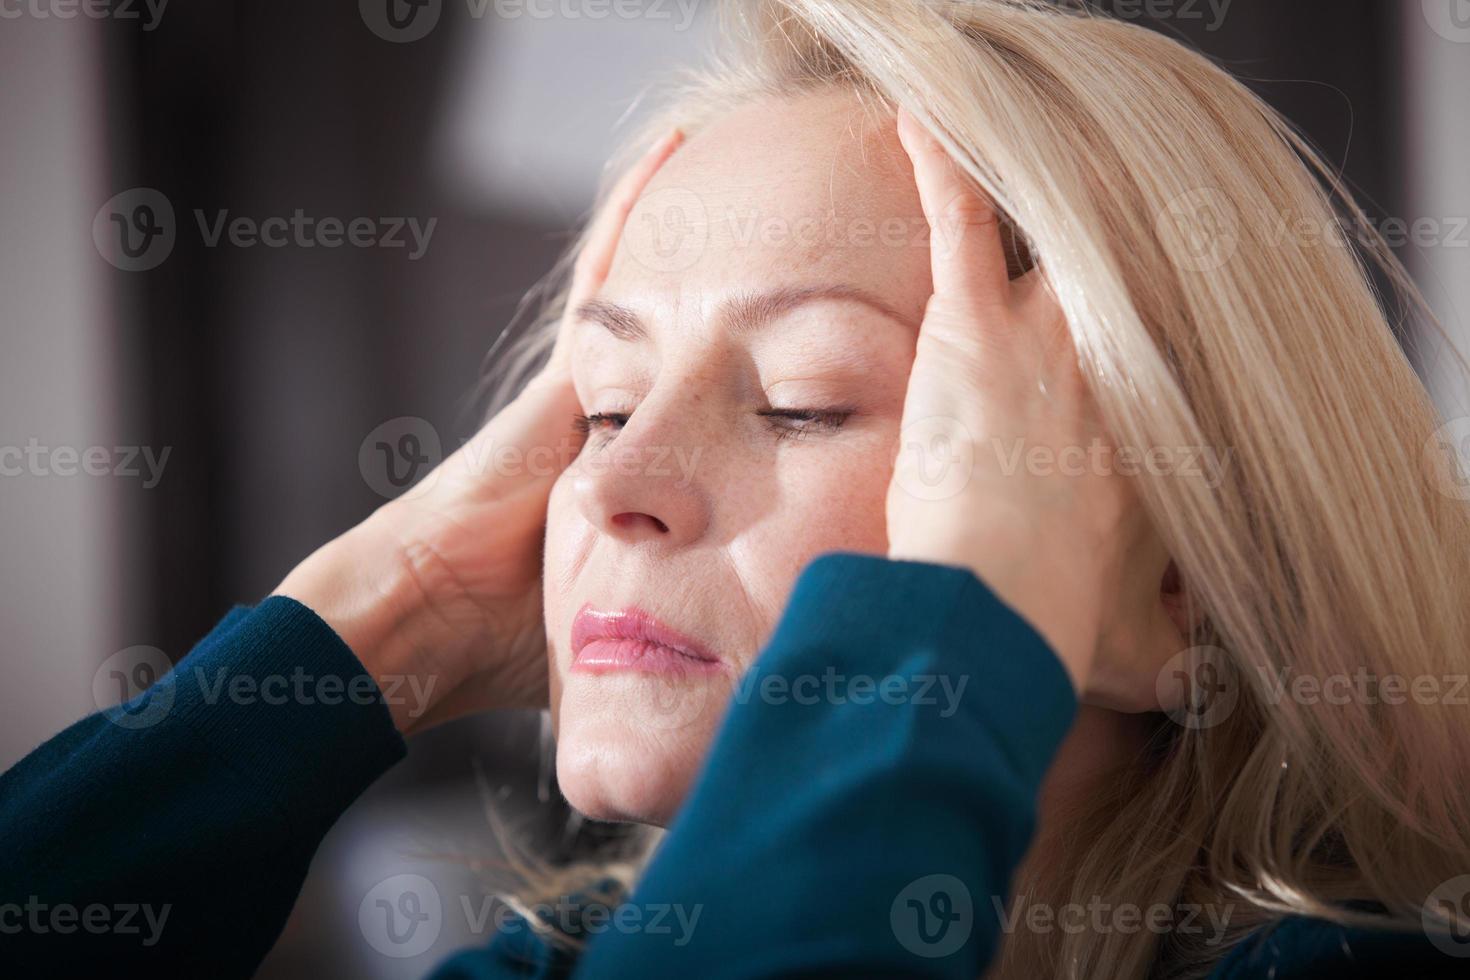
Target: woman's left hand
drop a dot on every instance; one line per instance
(1036, 510)
(439, 590)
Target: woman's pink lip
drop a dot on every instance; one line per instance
(631, 639)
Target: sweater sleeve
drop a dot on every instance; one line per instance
(871, 791)
(172, 834)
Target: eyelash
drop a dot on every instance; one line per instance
(786, 423)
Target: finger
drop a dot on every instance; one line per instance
(607, 228)
(967, 256)
(601, 244)
(540, 419)
(529, 442)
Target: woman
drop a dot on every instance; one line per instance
(1143, 488)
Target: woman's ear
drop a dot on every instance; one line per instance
(1020, 259)
(1179, 604)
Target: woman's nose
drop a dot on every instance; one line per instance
(643, 485)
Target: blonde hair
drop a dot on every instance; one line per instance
(1153, 188)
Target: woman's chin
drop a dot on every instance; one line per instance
(611, 770)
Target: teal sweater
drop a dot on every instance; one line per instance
(840, 828)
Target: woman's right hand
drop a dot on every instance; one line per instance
(996, 377)
(440, 589)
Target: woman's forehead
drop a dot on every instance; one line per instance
(802, 189)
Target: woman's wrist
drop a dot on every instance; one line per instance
(1049, 586)
(362, 586)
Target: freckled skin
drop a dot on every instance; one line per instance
(776, 194)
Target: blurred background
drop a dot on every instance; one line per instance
(183, 419)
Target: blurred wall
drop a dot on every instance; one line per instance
(60, 595)
(1437, 120)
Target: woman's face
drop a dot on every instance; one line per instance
(744, 370)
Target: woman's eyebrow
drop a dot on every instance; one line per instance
(752, 311)
(620, 321)
(745, 313)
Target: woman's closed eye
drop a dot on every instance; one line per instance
(789, 422)
(784, 423)
(601, 421)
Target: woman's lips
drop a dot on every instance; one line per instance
(631, 639)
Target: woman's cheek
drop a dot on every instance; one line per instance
(559, 557)
(852, 497)
(833, 499)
